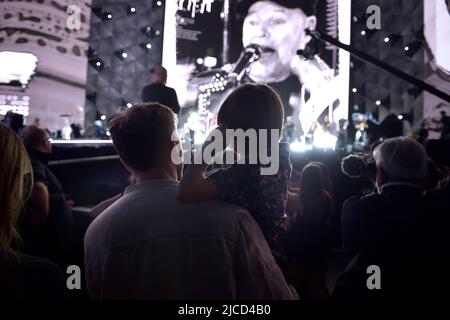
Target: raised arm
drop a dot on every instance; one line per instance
(194, 185)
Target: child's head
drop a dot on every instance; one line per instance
(252, 106)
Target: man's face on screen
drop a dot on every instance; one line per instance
(280, 33)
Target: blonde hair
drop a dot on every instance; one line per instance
(15, 186)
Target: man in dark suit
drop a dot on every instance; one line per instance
(159, 92)
(395, 230)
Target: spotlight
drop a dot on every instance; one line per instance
(106, 16)
(97, 63)
(378, 102)
(354, 90)
(392, 38)
(400, 117)
(210, 61)
(150, 32)
(411, 48)
(131, 10)
(121, 54)
(103, 117)
(368, 33)
(129, 105)
(146, 46)
(157, 4)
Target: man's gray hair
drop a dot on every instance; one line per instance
(401, 158)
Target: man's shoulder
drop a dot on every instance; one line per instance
(148, 217)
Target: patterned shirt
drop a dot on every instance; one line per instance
(264, 196)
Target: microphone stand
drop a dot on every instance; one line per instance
(364, 56)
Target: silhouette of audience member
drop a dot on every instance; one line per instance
(21, 276)
(47, 218)
(393, 228)
(146, 245)
(310, 235)
(159, 92)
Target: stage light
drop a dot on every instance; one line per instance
(106, 16)
(354, 90)
(129, 105)
(150, 32)
(121, 54)
(412, 48)
(200, 61)
(386, 39)
(97, 63)
(145, 46)
(131, 10)
(298, 146)
(363, 32)
(378, 102)
(210, 62)
(103, 117)
(157, 4)
(400, 117)
(108, 133)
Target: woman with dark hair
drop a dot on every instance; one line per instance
(21, 276)
(310, 241)
(249, 107)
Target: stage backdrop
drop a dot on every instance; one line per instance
(437, 57)
(206, 35)
(39, 27)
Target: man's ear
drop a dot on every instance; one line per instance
(382, 177)
(310, 24)
(126, 166)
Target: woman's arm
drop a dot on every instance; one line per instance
(195, 187)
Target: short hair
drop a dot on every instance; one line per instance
(140, 132)
(252, 106)
(32, 136)
(160, 70)
(401, 158)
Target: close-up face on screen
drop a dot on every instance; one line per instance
(288, 58)
(224, 155)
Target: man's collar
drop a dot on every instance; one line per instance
(399, 184)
